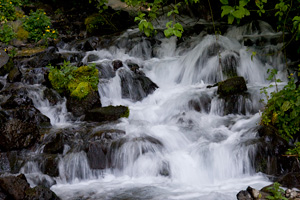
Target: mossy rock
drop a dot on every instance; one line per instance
(30, 52)
(109, 113)
(94, 22)
(82, 90)
(22, 34)
(232, 86)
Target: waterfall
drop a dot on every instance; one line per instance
(179, 142)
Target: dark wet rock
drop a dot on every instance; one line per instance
(270, 149)
(80, 107)
(15, 160)
(244, 195)
(16, 134)
(1, 86)
(49, 165)
(6, 64)
(136, 86)
(16, 95)
(4, 163)
(236, 104)
(17, 187)
(133, 67)
(290, 180)
(109, 113)
(55, 144)
(52, 96)
(232, 86)
(117, 64)
(201, 103)
(14, 75)
(73, 57)
(92, 58)
(212, 50)
(38, 57)
(96, 157)
(105, 71)
(35, 76)
(3, 58)
(88, 44)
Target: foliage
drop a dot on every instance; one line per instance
(144, 25)
(282, 110)
(294, 151)
(38, 25)
(234, 12)
(277, 192)
(77, 82)
(7, 11)
(173, 29)
(6, 33)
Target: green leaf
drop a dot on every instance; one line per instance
(224, 1)
(168, 32)
(238, 14)
(286, 105)
(177, 33)
(230, 19)
(147, 32)
(226, 10)
(243, 3)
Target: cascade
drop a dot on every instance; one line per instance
(179, 142)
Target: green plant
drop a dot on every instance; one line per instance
(6, 33)
(38, 25)
(73, 81)
(277, 192)
(282, 109)
(144, 25)
(7, 11)
(173, 29)
(294, 151)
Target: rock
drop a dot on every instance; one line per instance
(270, 149)
(16, 96)
(117, 64)
(135, 86)
(14, 75)
(99, 146)
(253, 192)
(35, 76)
(16, 134)
(7, 67)
(109, 113)
(52, 96)
(55, 144)
(80, 107)
(17, 187)
(201, 103)
(232, 86)
(244, 195)
(3, 58)
(92, 58)
(290, 180)
(38, 57)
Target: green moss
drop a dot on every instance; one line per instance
(93, 22)
(126, 113)
(77, 82)
(82, 90)
(22, 34)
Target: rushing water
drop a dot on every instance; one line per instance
(198, 153)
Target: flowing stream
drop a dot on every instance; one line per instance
(196, 150)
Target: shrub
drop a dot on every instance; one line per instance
(73, 81)
(7, 11)
(6, 33)
(283, 110)
(38, 25)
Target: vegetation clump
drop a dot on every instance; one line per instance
(282, 111)
(77, 82)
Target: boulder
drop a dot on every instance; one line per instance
(270, 149)
(99, 146)
(117, 64)
(16, 134)
(229, 64)
(55, 144)
(109, 113)
(232, 86)
(17, 187)
(35, 76)
(14, 75)
(135, 86)
(80, 107)
(244, 195)
(3, 58)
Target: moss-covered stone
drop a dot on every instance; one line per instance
(82, 90)
(109, 113)
(232, 86)
(22, 34)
